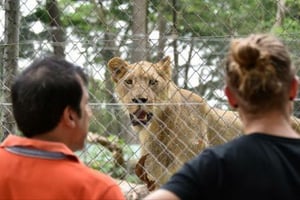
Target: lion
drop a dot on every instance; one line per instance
(173, 124)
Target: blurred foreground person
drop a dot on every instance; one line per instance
(265, 162)
(50, 106)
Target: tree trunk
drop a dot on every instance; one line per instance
(114, 127)
(10, 62)
(108, 51)
(162, 24)
(188, 64)
(279, 14)
(56, 30)
(174, 43)
(139, 31)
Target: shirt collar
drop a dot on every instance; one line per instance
(13, 140)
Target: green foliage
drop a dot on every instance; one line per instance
(101, 115)
(41, 15)
(100, 158)
(211, 22)
(217, 18)
(121, 10)
(81, 17)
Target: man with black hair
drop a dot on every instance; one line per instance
(50, 106)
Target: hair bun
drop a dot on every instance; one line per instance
(245, 53)
(259, 68)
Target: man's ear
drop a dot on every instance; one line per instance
(294, 88)
(69, 117)
(230, 97)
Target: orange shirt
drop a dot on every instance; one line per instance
(56, 174)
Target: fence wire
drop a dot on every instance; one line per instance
(194, 33)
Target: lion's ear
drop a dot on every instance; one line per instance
(117, 67)
(165, 66)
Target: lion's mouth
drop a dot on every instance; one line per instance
(140, 117)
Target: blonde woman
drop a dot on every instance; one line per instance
(261, 85)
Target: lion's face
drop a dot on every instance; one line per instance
(142, 87)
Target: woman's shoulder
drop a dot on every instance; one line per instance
(253, 143)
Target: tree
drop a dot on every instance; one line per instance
(56, 31)
(139, 31)
(162, 30)
(196, 33)
(10, 61)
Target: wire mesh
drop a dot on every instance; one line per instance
(193, 33)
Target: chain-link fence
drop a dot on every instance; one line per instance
(193, 33)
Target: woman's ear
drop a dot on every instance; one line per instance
(294, 88)
(69, 117)
(230, 97)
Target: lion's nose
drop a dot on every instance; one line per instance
(140, 100)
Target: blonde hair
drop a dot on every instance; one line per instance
(259, 70)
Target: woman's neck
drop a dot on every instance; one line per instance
(273, 123)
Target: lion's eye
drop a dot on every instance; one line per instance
(128, 81)
(153, 82)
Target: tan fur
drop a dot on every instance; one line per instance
(182, 123)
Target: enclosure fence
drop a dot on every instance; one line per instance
(195, 35)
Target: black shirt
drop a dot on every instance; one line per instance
(255, 166)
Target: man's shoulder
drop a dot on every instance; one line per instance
(85, 173)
